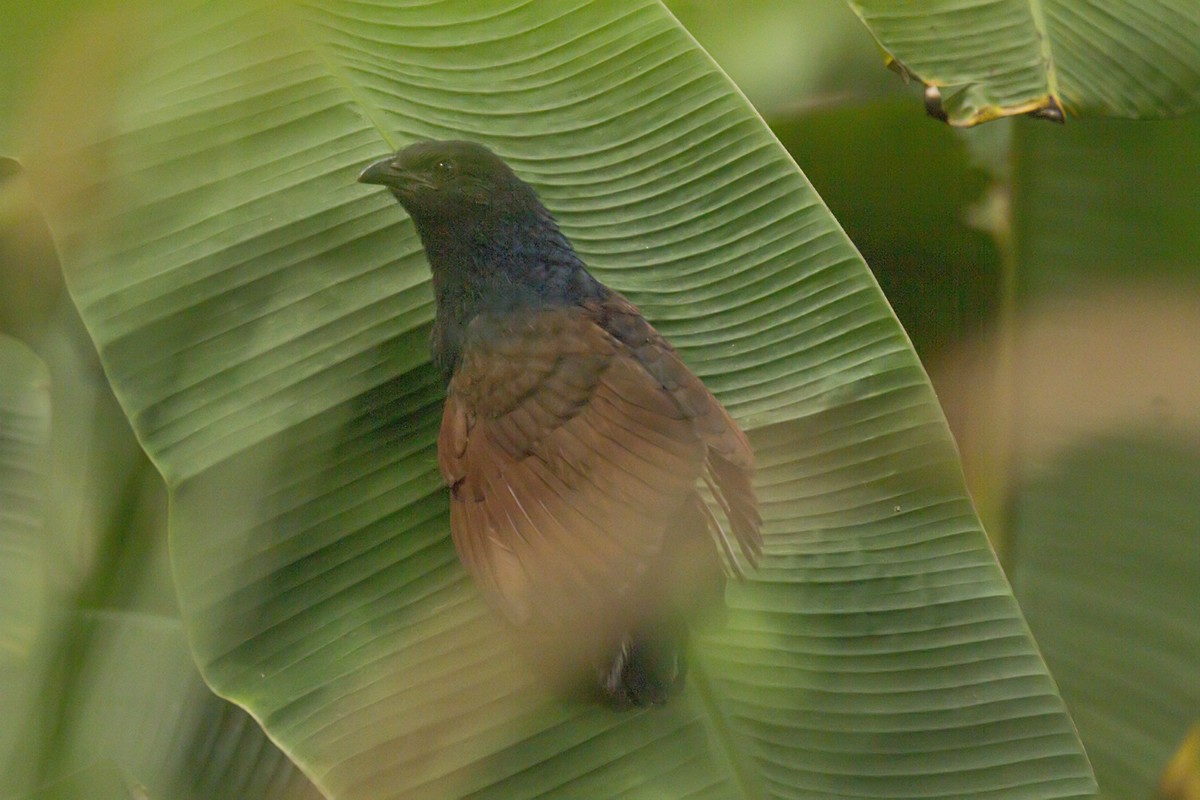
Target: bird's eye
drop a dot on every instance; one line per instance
(445, 167)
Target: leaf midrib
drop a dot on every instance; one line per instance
(1037, 10)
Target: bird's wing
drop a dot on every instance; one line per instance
(567, 458)
(729, 464)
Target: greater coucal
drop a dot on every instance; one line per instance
(573, 438)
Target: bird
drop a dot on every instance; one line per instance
(574, 440)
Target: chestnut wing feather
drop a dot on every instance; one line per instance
(568, 456)
(729, 463)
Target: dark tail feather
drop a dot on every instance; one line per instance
(687, 586)
(649, 664)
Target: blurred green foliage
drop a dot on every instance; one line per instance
(103, 700)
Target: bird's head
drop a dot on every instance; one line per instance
(445, 179)
(490, 242)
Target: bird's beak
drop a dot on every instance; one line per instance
(383, 172)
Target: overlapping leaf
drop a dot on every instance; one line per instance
(990, 58)
(264, 320)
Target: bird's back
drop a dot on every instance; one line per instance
(573, 441)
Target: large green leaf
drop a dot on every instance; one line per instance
(264, 320)
(990, 58)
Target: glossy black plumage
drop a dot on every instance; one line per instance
(573, 437)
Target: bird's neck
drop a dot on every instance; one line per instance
(516, 262)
